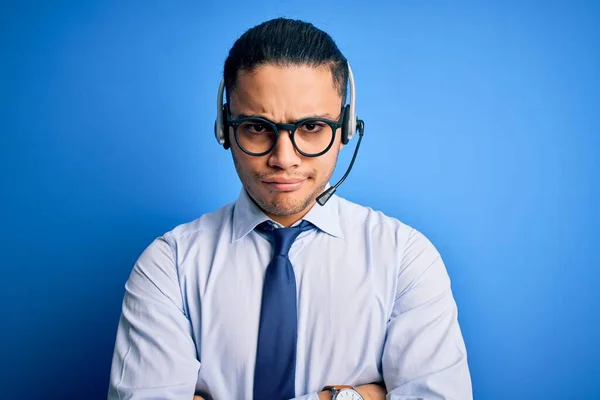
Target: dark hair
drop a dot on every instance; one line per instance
(284, 42)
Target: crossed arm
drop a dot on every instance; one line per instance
(368, 392)
(423, 356)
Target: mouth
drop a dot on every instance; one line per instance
(284, 185)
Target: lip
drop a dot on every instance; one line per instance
(284, 185)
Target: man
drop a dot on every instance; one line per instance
(275, 296)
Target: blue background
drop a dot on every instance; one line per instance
(482, 131)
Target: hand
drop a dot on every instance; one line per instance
(372, 391)
(198, 398)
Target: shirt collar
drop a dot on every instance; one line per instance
(247, 215)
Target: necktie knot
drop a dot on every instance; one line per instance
(283, 238)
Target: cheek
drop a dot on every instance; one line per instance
(325, 164)
(247, 165)
(331, 156)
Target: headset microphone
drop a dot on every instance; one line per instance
(326, 195)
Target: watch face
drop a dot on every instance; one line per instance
(348, 394)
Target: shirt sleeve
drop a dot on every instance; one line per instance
(424, 356)
(154, 355)
(309, 396)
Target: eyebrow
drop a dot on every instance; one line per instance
(321, 116)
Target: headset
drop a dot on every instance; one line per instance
(350, 125)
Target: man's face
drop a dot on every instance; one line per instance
(284, 183)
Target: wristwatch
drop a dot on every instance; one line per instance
(343, 392)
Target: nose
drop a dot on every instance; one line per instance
(284, 155)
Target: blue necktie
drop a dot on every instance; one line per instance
(275, 369)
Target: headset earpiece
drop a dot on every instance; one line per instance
(226, 143)
(221, 131)
(346, 125)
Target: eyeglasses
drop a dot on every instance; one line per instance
(312, 137)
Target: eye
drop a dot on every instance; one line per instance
(257, 128)
(312, 127)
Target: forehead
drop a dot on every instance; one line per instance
(284, 92)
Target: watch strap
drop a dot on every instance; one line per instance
(338, 387)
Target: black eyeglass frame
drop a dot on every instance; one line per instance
(334, 125)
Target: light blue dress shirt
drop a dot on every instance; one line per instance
(374, 304)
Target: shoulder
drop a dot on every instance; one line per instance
(160, 261)
(358, 218)
(210, 222)
(386, 229)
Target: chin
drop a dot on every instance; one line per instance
(285, 203)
